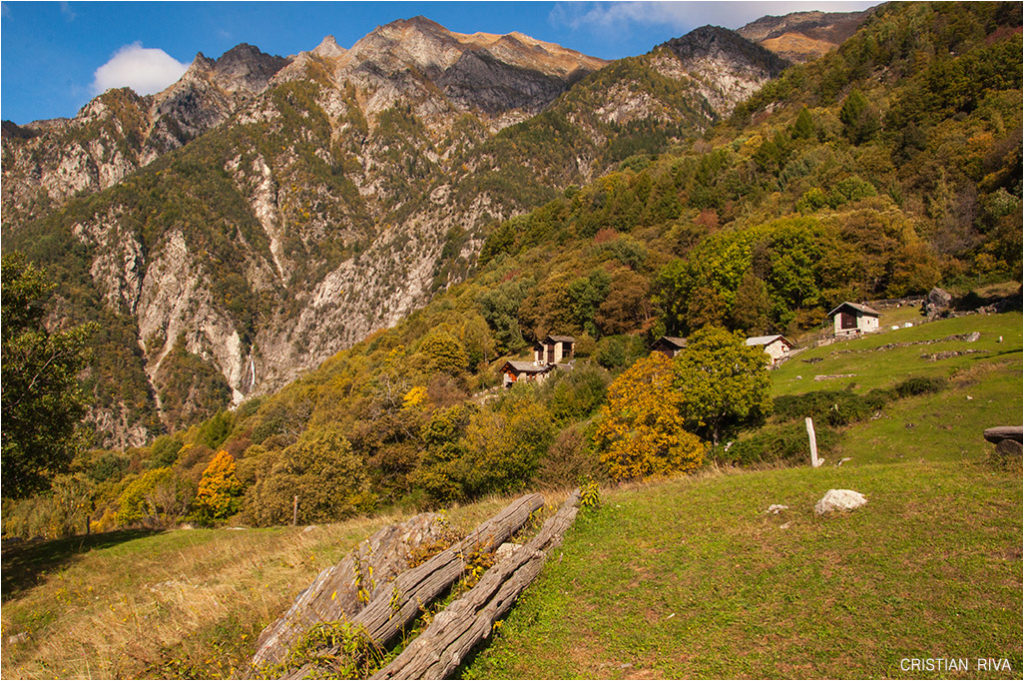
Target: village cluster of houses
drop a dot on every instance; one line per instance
(556, 352)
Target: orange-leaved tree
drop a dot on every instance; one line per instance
(220, 491)
(640, 428)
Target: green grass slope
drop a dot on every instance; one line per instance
(692, 579)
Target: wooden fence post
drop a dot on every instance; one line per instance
(295, 510)
(815, 461)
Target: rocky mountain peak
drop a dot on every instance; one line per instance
(245, 67)
(726, 66)
(328, 48)
(723, 45)
(493, 74)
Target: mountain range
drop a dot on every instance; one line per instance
(262, 213)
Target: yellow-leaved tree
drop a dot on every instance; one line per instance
(220, 491)
(640, 428)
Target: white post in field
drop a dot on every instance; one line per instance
(815, 461)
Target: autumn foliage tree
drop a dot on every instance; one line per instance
(220, 491)
(640, 430)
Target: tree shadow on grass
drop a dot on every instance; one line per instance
(26, 563)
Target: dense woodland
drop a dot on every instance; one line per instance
(886, 167)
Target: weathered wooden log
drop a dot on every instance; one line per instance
(343, 590)
(439, 650)
(397, 606)
(1000, 433)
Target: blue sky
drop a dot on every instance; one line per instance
(55, 56)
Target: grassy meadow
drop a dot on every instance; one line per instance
(686, 577)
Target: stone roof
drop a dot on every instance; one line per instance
(768, 340)
(860, 308)
(527, 367)
(674, 341)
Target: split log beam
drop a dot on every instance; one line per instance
(398, 605)
(438, 651)
(342, 590)
(385, 616)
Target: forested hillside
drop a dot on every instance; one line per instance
(341, 192)
(878, 171)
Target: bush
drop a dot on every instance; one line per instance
(156, 498)
(777, 444)
(568, 460)
(921, 385)
(576, 395)
(322, 470)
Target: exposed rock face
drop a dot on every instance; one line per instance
(48, 162)
(316, 199)
(726, 67)
(804, 36)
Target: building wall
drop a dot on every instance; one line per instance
(865, 324)
(776, 350)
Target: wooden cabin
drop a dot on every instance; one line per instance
(554, 350)
(851, 319)
(670, 346)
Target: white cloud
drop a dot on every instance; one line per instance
(144, 69)
(69, 14)
(684, 16)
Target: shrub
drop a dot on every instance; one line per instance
(567, 460)
(920, 385)
(576, 395)
(156, 498)
(322, 470)
(777, 444)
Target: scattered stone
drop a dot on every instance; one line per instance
(937, 303)
(1009, 449)
(843, 460)
(828, 377)
(186, 526)
(947, 354)
(776, 509)
(973, 336)
(908, 325)
(17, 638)
(670, 616)
(839, 500)
(505, 550)
(308, 528)
(785, 525)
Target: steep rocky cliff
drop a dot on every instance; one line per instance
(261, 214)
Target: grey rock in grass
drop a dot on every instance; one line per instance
(776, 509)
(839, 500)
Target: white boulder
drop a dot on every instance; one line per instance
(839, 500)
